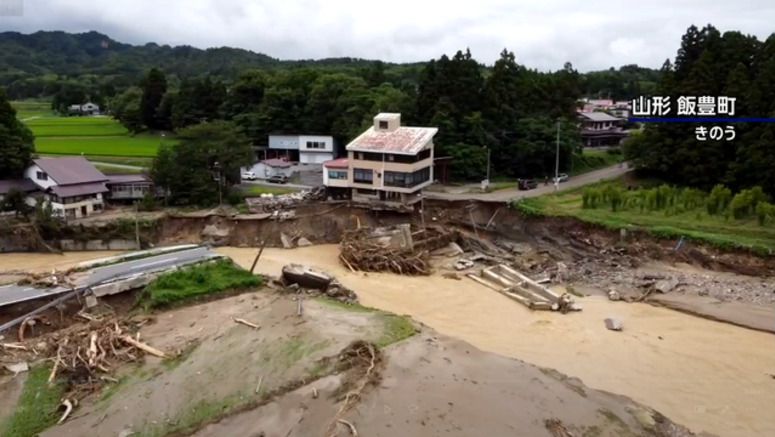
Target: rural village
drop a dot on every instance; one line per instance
(170, 266)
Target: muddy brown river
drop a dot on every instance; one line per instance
(707, 375)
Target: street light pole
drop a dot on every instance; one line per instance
(557, 160)
(488, 164)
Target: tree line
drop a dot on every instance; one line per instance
(710, 63)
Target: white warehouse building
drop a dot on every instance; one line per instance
(311, 149)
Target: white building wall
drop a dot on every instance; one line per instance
(328, 142)
(32, 174)
(315, 157)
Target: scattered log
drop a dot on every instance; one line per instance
(258, 386)
(353, 431)
(68, 409)
(54, 369)
(15, 346)
(246, 323)
(142, 346)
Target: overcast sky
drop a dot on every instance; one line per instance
(544, 34)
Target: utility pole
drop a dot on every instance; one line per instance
(488, 164)
(557, 160)
(137, 228)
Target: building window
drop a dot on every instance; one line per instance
(337, 174)
(365, 176)
(407, 180)
(41, 175)
(383, 124)
(316, 145)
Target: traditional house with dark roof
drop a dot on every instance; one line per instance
(72, 185)
(601, 129)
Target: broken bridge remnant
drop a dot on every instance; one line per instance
(524, 290)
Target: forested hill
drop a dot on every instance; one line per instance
(32, 64)
(25, 59)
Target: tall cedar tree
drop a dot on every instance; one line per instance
(16, 142)
(154, 86)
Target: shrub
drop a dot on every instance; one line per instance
(745, 202)
(718, 200)
(196, 281)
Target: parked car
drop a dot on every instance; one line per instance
(278, 179)
(562, 177)
(526, 184)
(248, 176)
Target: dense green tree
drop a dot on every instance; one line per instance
(16, 142)
(125, 107)
(198, 100)
(206, 159)
(712, 64)
(154, 86)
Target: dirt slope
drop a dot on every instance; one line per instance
(433, 385)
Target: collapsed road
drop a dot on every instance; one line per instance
(11, 294)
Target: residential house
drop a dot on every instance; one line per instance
(271, 167)
(72, 185)
(87, 108)
(599, 129)
(388, 162)
(304, 149)
(129, 187)
(25, 186)
(335, 178)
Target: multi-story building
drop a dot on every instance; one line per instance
(388, 162)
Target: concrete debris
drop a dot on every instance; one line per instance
(614, 295)
(298, 278)
(463, 264)
(91, 301)
(613, 324)
(666, 285)
(17, 368)
(274, 203)
(524, 290)
(452, 249)
(303, 242)
(286, 240)
(306, 276)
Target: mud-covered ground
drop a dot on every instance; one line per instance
(283, 380)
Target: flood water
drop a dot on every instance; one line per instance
(41, 262)
(707, 375)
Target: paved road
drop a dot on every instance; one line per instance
(513, 193)
(10, 294)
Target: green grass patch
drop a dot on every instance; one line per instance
(75, 126)
(590, 160)
(196, 281)
(28, 109)
(37, 408)
(694, 224)
(141, 145)
(395, 327)
(258, 190)
(193, 417)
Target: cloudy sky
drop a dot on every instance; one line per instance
(544, 34)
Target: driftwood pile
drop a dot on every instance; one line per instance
(88, 355)
(359, 251)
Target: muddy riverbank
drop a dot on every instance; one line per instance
(707, 375)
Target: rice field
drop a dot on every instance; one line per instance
(93, 136)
